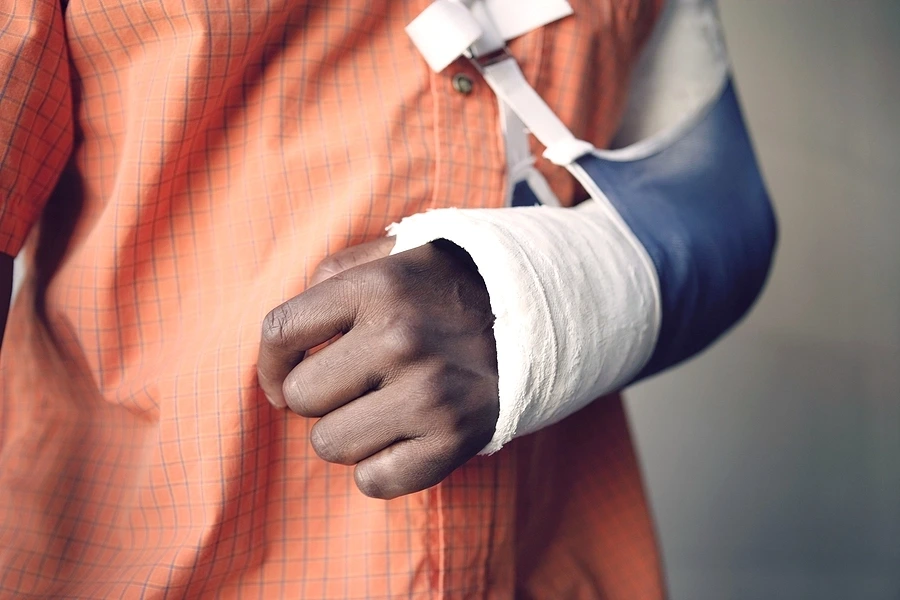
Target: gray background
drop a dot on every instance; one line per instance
(773, 461)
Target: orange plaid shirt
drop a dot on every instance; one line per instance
(209, 154)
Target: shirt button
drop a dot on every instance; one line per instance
(463, 84)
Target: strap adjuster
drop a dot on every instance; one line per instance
(491, 58)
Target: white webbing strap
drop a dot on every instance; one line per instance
(509, 83)
(491, 39)
(520, 161)
(447, 28)
(443, 32)
(513, 18)
(440, 33)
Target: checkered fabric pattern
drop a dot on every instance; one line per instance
(178, 168)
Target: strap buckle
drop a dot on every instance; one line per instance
(491, 58)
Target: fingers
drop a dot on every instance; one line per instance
(335, 375)
(422, 405)
(362, 428)
(305, 321)
(351, 257)
(406, 467)
(328, 308)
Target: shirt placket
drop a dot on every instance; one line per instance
(470, 160)
(472, 513)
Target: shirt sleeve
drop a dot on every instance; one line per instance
(36, 122)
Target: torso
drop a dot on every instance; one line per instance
(222, 150)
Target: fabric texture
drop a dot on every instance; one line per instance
(700, 208)
(35, 114)
(220, 151)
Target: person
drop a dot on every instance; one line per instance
(203, 190)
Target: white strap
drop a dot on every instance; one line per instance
(440, 33)
(520, 161)
(509, 83)
(541, 188)
(518, 151)
(447, 28)
(443, 32)
(491, 39)
(517, 17)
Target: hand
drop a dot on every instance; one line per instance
(408, 393)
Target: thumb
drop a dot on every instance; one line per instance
(351, 257)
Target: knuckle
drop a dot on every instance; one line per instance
(325, 443)
(462, 413)
(404, 338)
(329, 266)
(391, 476)
(440, 455)
(443, 385)
(276, 325)
(390, 277)
(386, 273)
(371, 483)
(297, 396)
(449, 440)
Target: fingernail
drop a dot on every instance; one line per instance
(275, 403)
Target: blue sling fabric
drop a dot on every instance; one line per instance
(701, 210)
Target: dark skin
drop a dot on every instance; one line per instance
(406, 389)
